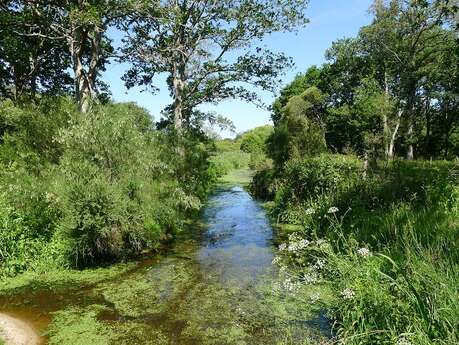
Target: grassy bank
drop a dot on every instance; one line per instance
(239, 176)
(385, 244)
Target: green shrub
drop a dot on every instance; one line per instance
(28, 216)
(81, 189)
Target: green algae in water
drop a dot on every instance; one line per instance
(79, 326)
(214, 288)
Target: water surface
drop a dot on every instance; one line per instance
(212, 287)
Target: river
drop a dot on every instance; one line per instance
(214, 286)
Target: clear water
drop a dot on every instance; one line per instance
(212, 287)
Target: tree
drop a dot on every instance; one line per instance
(406, 38)
(312, 77)
(300, 131)
(254, 141)
(204, 47)
(29, 64)
(80, 26)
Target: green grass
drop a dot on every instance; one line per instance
(406, 215)
(238, 176)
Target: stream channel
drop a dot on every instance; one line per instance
(214, 286)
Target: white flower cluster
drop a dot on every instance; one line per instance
(295, 243)
(314, 297)
(310, 278)
(297, 246)
(276, 260)
(403, 341)
(365, 252)
(320, 263)
(287, 285)
(310, 211)
(333, 209)
(348, 294)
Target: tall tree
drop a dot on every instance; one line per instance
(406, 37)
(29, 64)
(205, 48)
(80, 26)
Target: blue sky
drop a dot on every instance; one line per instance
(329, 20)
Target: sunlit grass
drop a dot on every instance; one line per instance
(239, 176)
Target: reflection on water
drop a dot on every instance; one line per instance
(238, 241)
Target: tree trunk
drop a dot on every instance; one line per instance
(178, 104)
(178, 88)
(410, 150)
(393, 137)
(85, 91)
(386, 132)
(411, 108)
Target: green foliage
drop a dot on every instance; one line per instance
(80, 189)
(254, 141)
(299, 131)
(207, 76)
(389, 91)
(406, 214)
(312, 77)
(224, 162)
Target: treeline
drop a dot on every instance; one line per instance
(390, 91)
(369, 234)
(208, 51)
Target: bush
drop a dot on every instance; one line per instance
(81, 189)
(28, 217)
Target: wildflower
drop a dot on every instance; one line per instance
(403, 341)
(310, 211)
(292, 247)
(276, 260)
(320, 263)
(310, 278)
(365, 252)
(290, 286)
(283, 246)
(303, 244)
(314, 297)
(333, 209)
(348, 293)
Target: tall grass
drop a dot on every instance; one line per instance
(391, 247)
